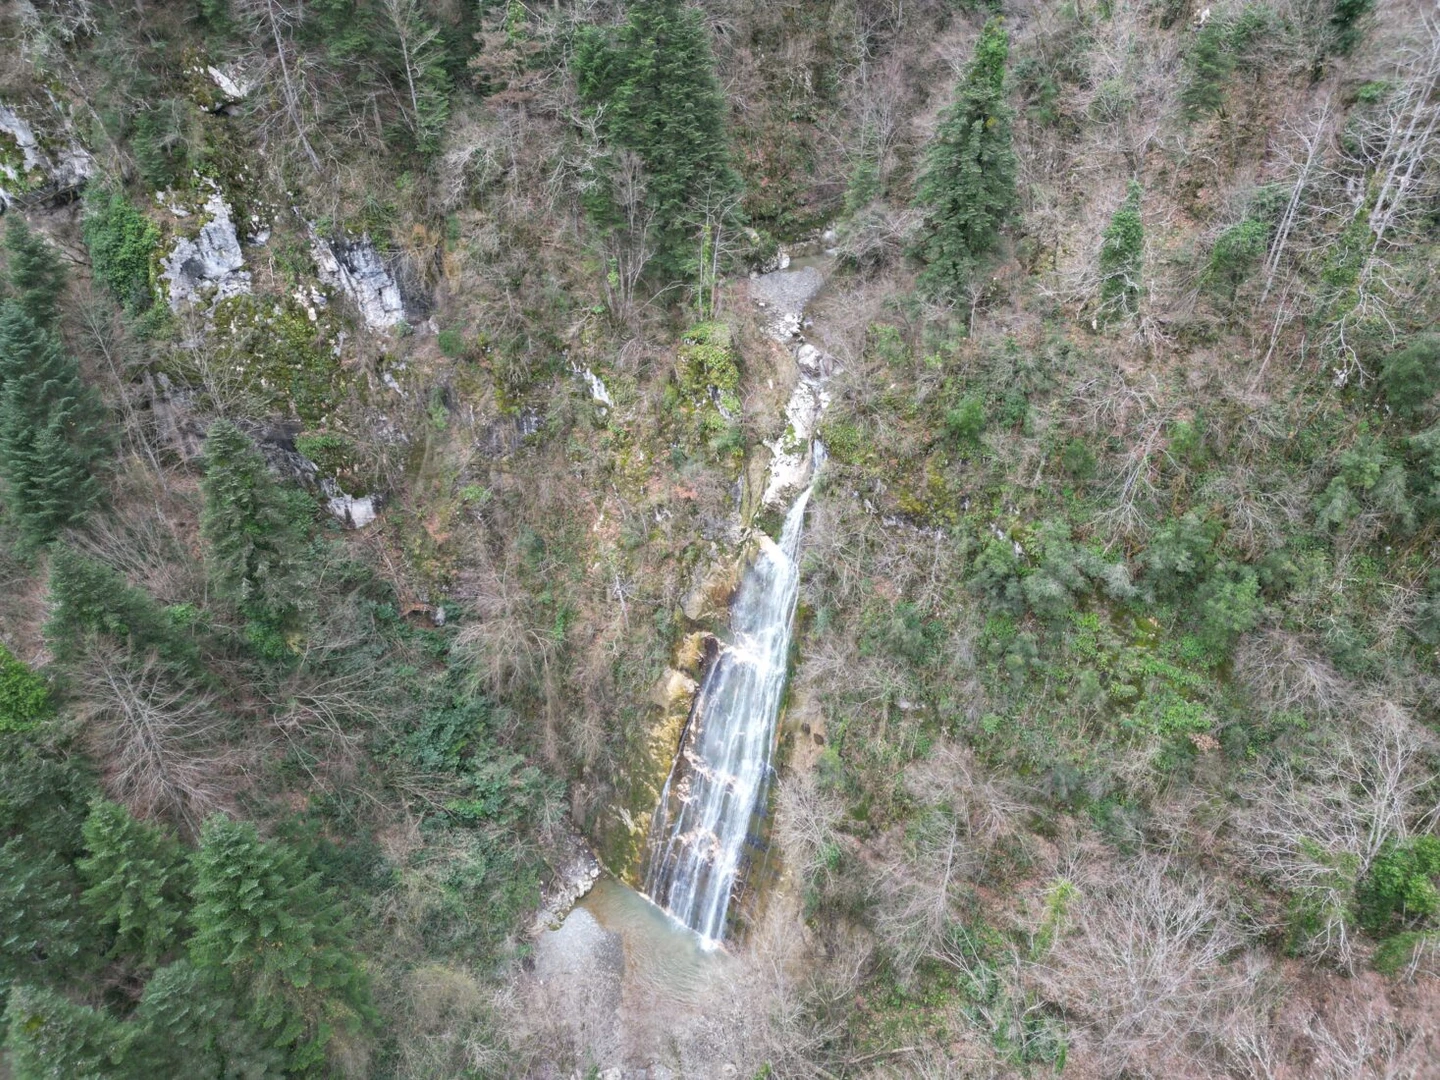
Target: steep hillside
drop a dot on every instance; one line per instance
(394, 394)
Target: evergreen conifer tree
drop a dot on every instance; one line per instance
(261, 917)
(1122, 252)
(37, 277)
(967, 186)
(252, 543)
(662, 100)
(193, 1027)
(52, 1038)
(136, 881)
(418, 52)
(45, 935)
(89, 599)
(1208, 64)
(49, 429)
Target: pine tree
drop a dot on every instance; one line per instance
(193, 1027)
(90, 600)
(37, 277)
(136, 882)
(45, 935)
(252, 543)
(1122, 253)
(49, 430)
(662, 101)
(1208, 64)
(262, 918)
(967, 186)
(52, 1038)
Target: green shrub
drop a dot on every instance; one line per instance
(1180, 554)
(1237, 251)
(905, 633)
(965, 423)
(1397, 951)
(122, 244)
(333, 453)
(453, 343)
(24, 700)
(845, 440)
(1077, 459)
(1229, 605)
(995, 575)
(707, 362)
(1187, 442)
(1400, 891)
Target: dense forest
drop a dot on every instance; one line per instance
(393, 395)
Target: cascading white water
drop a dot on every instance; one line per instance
(702, 828)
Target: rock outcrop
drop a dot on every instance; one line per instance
(210, 265)
(356, 269)
(352, 512)
(784, 296)
(28, 171)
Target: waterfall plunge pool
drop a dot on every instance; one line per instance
(664, 959)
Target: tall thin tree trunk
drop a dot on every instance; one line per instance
(291, 98)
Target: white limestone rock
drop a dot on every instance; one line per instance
(210, 265)
(355, 267)
(351, 512)
(25, 166)
(231, 80)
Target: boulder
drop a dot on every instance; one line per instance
(811, 360)
(354, 513)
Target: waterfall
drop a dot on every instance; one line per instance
(721, 776)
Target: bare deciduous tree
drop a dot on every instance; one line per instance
(1314, 828)
(276, 21)
(1389, 176)
(1151, 960)
(1284, 675)
(159, 738)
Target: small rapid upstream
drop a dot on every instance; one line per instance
(705, 828)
